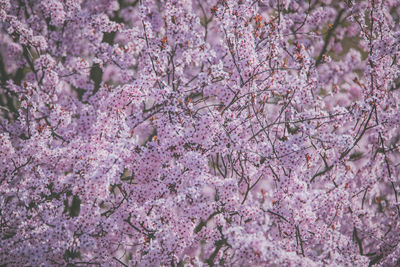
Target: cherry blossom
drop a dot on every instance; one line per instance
(199, 133)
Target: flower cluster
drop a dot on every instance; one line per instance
(199, 133)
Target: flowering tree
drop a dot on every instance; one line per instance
(196, 133)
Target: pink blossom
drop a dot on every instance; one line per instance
(199, 133)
